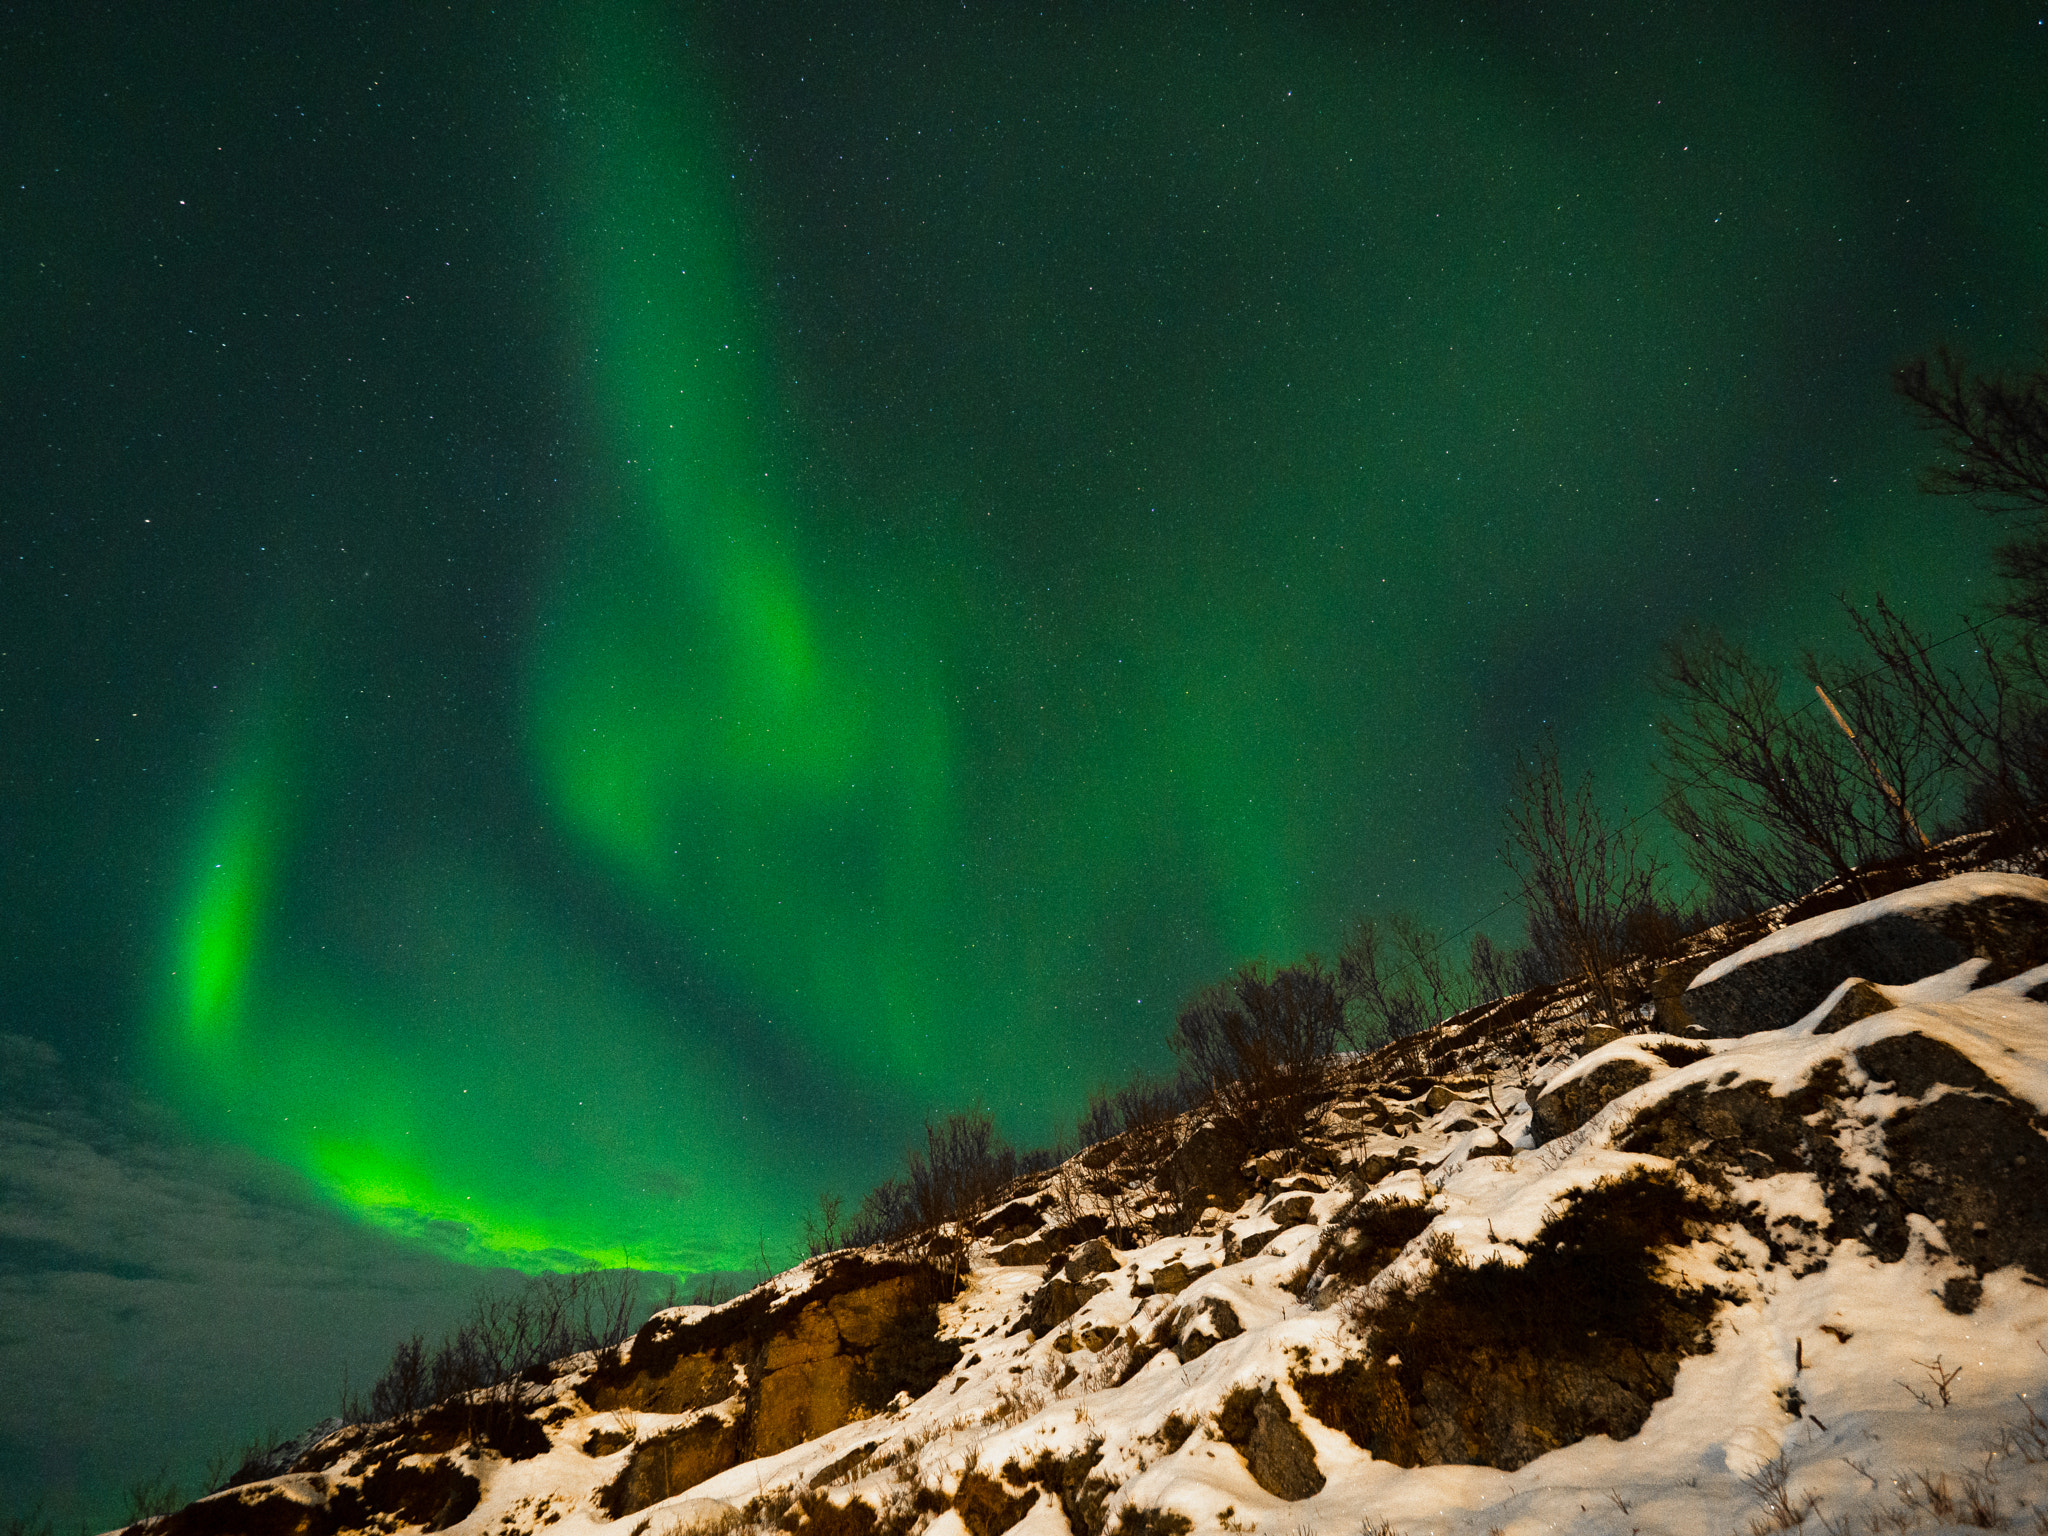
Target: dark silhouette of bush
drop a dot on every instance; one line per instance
(1256, 1043)
(1365, 1237)
(887, 1212)
(492, 1362)
(961, 1168)
(1141, 1103)
(1581, 872)
(1397, 979)
(1772, 800)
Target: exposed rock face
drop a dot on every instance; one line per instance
(1056, 1301)
(1899, 939)
(1092, 1258)
(1959, 1151)
(665, 1465)
(773, 1376)
(1196, 1330)
(1860, 1000)
(1496, 1364)
(433, 1497)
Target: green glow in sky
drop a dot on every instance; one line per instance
(1017, 537)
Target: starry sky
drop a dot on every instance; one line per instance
(604, 606)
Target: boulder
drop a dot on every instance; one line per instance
(1958, 1150)
(1056, 1301)
(1290, 1210)
(1582, 1093)
(1094, 1257)
(1171, 1279)
(1032, 1250)
(1239, 1246)
(1276, 1452)
(1375, 1166)
(1595, 1036)
(1859, 1000)
(1198, 1329)
(1018, 1213)
(1904, 937)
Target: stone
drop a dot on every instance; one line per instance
(1896, 939)
(1276, 1453)
(1597, 1035)
(1018, 1213)
(1197, 1330)
(1290, 1210)
(1374, 1166)
(1309, 1183)
(1171, 1279)
(1860, 1001)
(1094, 1257)
(1057, 1300)
(1580, 1096)
(1032, 1250)
(1239, 1246)
(1440, 1098)
(839, 1466)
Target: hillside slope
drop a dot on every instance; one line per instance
(1776, 1258)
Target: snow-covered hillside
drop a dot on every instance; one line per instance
(1677, 1281)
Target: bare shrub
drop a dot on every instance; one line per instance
(508, 1336)
(1397, 979)
(1583, 872)
(822, 1227)
(1256, 1043)
(1142, 1103)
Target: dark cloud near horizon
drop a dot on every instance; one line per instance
(163, 1301)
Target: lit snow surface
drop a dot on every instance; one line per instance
(1858, 1340)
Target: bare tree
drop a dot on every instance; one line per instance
(821, 1229)
(1770, 801)
(1994, 435)
(1397, 980)
(1582, 871)
(1495, 971)
(1987, 718)
(1257, 1042)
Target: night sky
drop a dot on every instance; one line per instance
(603, 606)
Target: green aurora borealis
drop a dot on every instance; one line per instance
(714, 584)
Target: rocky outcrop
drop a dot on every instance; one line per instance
(1582, 1095)
(2002, 919)
(769, 1373)
(1494, 1364)
(1952, 1145)
(1195, 1330)
(432, 1496)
